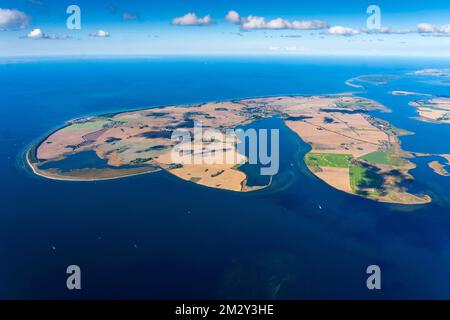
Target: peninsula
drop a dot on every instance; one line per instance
(435, 110)
(350, 150)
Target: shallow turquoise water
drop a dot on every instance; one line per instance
(155, 236)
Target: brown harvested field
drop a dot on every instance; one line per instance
(214, 176)
(348, 133)
(338, 178)
(56, 145)
(212, 165)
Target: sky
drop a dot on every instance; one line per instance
(138, 27)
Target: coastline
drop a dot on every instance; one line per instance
(56, 178)
(35, 171)
(278, 104)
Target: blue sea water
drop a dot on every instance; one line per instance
(155, 236)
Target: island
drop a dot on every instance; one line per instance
(432, 72)
(440, 76)
(373, 79)
(351, 150)
(438, 167)
(436, 110)
(408, 93)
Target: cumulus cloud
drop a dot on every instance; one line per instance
(445, 29)
(233, 17)
(191, 19)
(427, 28)
(130, 16)
(100, 34)
(38, 34)
(12, 19)
(342, 31)
(256, 22)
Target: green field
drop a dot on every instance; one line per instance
(328, 160)
(381, 157)
(88, 125)
(364, 177)
(93, 124)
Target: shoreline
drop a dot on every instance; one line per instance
(36, 172)
(33, 148)
(244, 189)
(315, 101)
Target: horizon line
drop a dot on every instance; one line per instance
(223, 54)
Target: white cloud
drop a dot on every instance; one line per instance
(37, 34)
(11, 19)
(191, 19)
(342, 31)
(445, 29)
(256, 22)
(427, 28)
(233, 17)
(278, 23)
(100, 34)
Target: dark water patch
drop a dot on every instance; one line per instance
(82, 160)
(267, 276)
(343, 111)
(288, 144)
(299, 118)
(189, 123)
(426, 181)
(112, 139)
(188, 115)
(156, 134)
(154, 148)
(157, 114)
(254, 177)
(79, 160)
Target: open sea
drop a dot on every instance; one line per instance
(155, 236)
